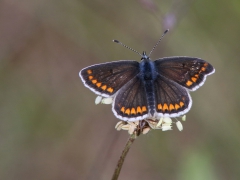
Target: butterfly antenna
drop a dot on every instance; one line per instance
(116, 41)
(165, 32)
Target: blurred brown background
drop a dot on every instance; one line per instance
(50, 127)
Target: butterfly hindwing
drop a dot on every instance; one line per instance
(189, 72)
(172, 100)
(130, 103)
(107, 78)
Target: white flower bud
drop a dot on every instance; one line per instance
(167, 120)
(119, 125)
(98, 99)
(125, 127)
(108, 100)
(184, 118)
(179, 126)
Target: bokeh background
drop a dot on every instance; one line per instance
(50, 127)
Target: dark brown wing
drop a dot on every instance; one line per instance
(130, 103)
(107, 78)
(172, 100)
(189, 72)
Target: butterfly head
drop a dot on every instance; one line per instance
(145, 56)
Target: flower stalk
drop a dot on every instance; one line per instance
(123, 156)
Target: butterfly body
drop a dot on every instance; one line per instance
(148, 89)
(148, 75)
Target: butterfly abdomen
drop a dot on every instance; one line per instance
(148, 76)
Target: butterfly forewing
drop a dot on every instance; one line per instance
(131, 101)
(189, 72)
(171, 99)
(107, 78)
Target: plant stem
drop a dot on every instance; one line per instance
(124, 154)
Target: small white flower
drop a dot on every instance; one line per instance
(108, 100)
(166, 124)
(128, 126)
(144, 126)
(166, 127)
(167, 120)
(98, 99)
(179, 126)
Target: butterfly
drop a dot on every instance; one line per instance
(148, 89)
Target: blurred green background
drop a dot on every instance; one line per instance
(50, 127)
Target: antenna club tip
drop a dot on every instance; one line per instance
(116, 41)
(166, 31)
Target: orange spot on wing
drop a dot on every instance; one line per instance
(110, 89)
(171, 107)
(194, 79)
(181, 104)
(205, 64)
(139, 110)
(196, 75)
(89, 71)
(177, 106)
(159, 106)
(165, 107)
(189, 83)
(90, 77)
(98, 84)
(133, 111)
(144, 108)
(94, 81)
(104, 87)
(122, 109)
(203, 69)
(127, 111)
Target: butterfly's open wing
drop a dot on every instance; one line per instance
(107, 78)
(172, 100)
(187, 71)
(130, 103)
